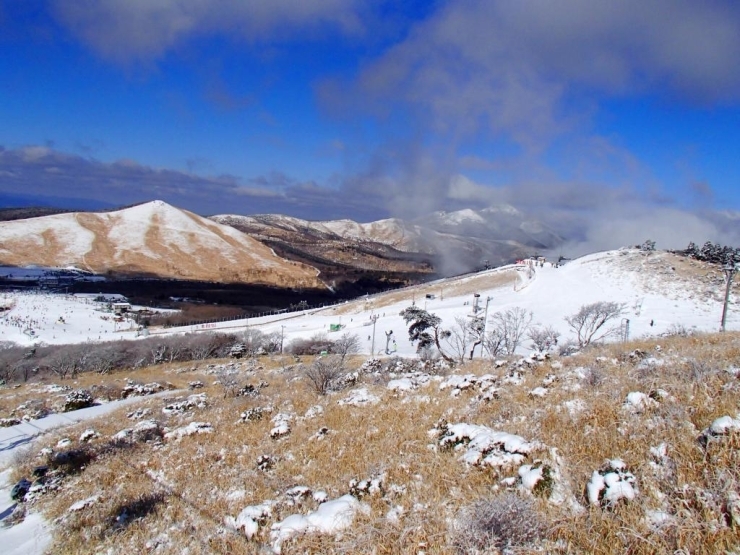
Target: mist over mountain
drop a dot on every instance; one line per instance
(449, 243)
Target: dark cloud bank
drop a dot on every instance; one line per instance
(591, 217)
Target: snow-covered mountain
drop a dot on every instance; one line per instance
(151, 239)
(158, 240)
(495, 223)
(392, 232)
(452, 242)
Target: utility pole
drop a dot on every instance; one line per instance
(282, 335)
(729, 270)
(374, 318)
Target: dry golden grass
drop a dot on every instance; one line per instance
(465, 286)
(243, 261)
(180, 491)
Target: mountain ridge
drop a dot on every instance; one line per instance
(453, 242)
(149, 239)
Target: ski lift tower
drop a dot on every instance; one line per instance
(625, 329)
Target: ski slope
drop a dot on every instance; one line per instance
(550, 293)
(648, 288)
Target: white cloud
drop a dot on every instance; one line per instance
(142, 30)
(525, 69)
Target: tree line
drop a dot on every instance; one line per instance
(711, 252)
(506, 330)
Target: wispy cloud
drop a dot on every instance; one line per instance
(126, 31)
(526, 69)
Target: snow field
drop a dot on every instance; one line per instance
(550, 294)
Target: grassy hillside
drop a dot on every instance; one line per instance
(617, 449)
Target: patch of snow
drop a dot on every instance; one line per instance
(190, 429)
(574, 406)
(638, 402)
(402, 385)
(84, 503)
(611, 484)
(486, 447)
(331, 517)
(359, 398)
(313, 412)
(724, 425)
(659, 519)
(250, 518)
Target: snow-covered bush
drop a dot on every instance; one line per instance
(190, 429)
(484, 446)
(611, 484)
(137, 389)
(282, 425)
(198, 400)
(146, 430)
(77, 399)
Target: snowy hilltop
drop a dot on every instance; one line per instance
(656, 292)
(152, 239)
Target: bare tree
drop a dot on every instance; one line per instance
(101, 358)
(8, 364)
(543, 338)
(316, 344)
(588, 323)
(324, 373)
(493, 343)
(274, 342)
(511, 325)
(202, 346)
(466, 333)
(347, 344)
(477, 328)
(255, 342)
(170, 349)
(64, 362)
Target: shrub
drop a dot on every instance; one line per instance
(324, 373)
(499, 522)
(314, 345)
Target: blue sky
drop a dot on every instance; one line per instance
(577, 112)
